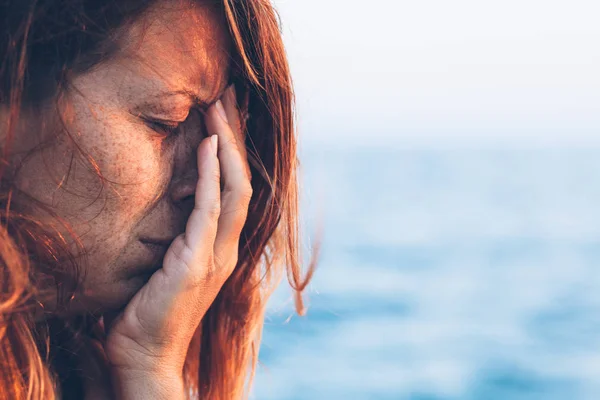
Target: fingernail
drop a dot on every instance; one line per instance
(221, 110)
(214, 142)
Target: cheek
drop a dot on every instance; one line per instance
(135, 167)
(133, 162)
(137, 175)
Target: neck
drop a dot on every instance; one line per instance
(76, 356)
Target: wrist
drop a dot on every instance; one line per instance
(134, 384)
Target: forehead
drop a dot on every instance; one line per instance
(180, 46)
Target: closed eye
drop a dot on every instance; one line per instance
(165, 128)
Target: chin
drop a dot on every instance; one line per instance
(107, 297)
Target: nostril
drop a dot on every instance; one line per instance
(183, 188)
(187, 203)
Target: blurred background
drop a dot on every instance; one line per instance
(452, 151)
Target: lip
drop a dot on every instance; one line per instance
(159, 242)
(144, 271)
(158, 248)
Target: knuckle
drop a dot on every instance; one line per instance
(227, 261)
(246, 192)
(241, 191)
(237, 212)
(232, 141)
(183, 257)
(215, 177)
(212, 210)
(238, 218)
(199, 271)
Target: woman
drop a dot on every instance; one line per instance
(148, 195)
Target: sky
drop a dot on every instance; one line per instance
(383, 72)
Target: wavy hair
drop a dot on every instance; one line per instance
(42, 44)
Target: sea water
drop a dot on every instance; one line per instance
(444, 274)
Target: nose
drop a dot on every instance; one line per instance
(185, 160)
(183, 192)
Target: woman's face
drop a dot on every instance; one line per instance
(173, 57)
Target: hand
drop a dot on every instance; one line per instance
(149, 340)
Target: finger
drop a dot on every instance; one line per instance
(237, 189)
(202, 222)
(187, 263)
(229, 102)
(233, 116)
(190, 252)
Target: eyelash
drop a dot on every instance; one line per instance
(163, 128)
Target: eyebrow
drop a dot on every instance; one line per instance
(194, 97)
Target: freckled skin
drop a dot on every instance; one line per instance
(150, 180)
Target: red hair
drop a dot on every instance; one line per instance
(40, 45)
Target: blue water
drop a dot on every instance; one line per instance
(445, 274)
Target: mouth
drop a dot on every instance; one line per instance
(157, 248)
(166, 242)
